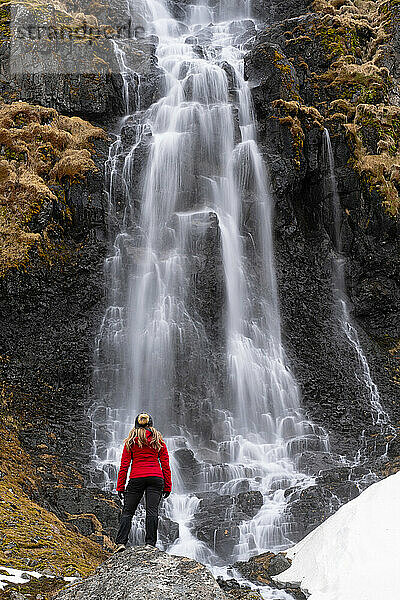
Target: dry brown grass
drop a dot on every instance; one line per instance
(381, 170)
(39, 151)
(297, 117)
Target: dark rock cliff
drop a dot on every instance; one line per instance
(53, 231)
(332, 65)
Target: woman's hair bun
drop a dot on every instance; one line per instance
(143, 419)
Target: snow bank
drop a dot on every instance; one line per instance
(353, 555)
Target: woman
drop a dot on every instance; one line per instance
(145, 449)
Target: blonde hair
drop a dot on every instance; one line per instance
(138, 434)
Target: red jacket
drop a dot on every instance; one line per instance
(145, 463)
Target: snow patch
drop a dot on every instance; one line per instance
(353, 555)
(17, 576)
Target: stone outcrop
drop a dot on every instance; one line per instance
(145, 573)
(262, 568)
(88, 83)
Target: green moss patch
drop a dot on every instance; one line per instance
(31, 537)
(353, 91)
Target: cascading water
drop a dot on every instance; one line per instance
(228, 398)
(379, 415)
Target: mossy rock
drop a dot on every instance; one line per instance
(32, 538)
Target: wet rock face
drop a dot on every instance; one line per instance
(53, 360)
(49, 315)
(189, 467)
(233, 589)
(141, 572)
(207, 274)
(59, 92)
(274, 10)
(168, 531)
(200, 362)
(315, 342)
(309, 508)
(91, 511)
(218, 517)
(270, 74)
(83, 94)
(390, 55)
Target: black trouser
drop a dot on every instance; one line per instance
(153, 486)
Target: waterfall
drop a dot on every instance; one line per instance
(212, 371)
(379, 415)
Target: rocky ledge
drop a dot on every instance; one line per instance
(145, 573)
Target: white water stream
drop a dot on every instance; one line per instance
(204, 177)
(379, 415)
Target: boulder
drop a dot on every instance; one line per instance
(262, 568)
(145, 573)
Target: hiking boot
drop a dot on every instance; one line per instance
(120, 548)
